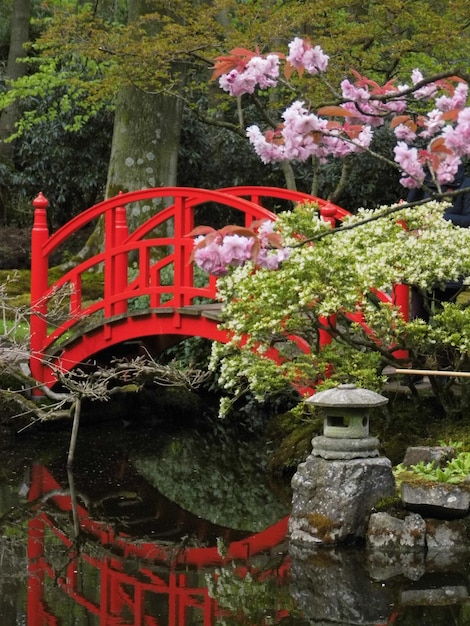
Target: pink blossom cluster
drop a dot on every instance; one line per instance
(258, 71)
(216, 255)
(366, 108)
(446, 128)
(263, 72)
(302, 55)
(303, 135)
(425, 92)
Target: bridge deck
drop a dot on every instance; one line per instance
(210, 311)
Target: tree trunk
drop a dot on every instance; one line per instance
(18, 37)
(8, 117)
(146, 139)
(144, 150)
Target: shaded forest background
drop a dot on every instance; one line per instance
(94, 69)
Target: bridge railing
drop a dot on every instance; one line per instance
(162, 273)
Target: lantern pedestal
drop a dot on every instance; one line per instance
(345, 449)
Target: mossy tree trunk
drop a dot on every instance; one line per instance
(145, 145)
(19, 36)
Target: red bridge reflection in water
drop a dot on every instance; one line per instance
(158, 585)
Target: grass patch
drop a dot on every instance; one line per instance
(18, 332)
(16, 282)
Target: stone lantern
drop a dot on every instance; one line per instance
(346, 422)
(336, 488)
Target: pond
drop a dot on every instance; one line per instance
(182, 528)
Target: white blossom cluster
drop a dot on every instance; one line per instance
(337, 274)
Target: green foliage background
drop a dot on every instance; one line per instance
(80, 56)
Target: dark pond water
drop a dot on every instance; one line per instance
(187, 528)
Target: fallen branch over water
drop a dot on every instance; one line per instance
(99, 384)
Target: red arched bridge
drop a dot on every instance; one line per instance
(151, 289)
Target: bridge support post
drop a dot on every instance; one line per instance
(39, 286)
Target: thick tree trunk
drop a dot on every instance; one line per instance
(144, 154)
(145, 144)
(146, 136)
(15, 69)
(8, 117)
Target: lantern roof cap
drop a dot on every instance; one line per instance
(347, 395)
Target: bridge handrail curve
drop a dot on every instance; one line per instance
(193, 201)
(122, 199)
(285, 194)
(192, 198)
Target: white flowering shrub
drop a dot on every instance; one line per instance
(333, 278)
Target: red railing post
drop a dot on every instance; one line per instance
(187, 248)
(401, 299)
(328, 214)
(121, 259)
(182, 273)
(325, 336)
(115, 266)
(39, 286)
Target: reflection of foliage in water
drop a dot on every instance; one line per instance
(247, 597)
(221, 480)
(13, 562)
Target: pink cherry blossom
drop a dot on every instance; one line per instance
(259, 71)
(266, 228)
(337, 147)
(219, 254)
(304, 134)
(404, 133)
(298, 130)
(425, 92)
(365, 107)
(447, 169)
(364, 113)
(268, 151)
(433, 124)
(236, 250)
(409, 161)
(271, 259)
(364, 139)
(210, 259)
(457, 138)
(456, 101)
(353, 93)
(303, 56)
